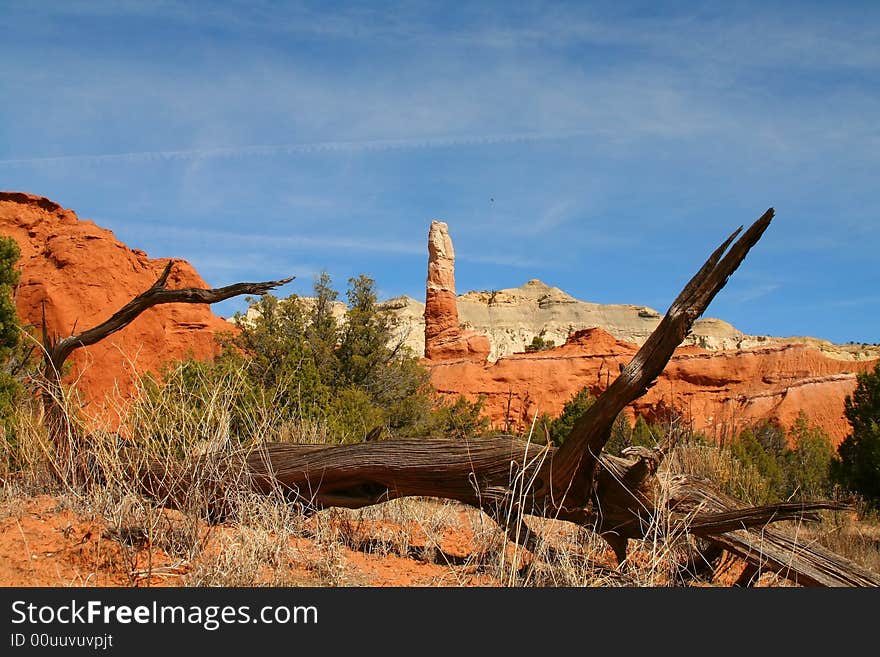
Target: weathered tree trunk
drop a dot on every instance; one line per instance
(619, 498)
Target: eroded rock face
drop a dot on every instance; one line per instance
(83, 274)
(720, 379)
(718, 391)
(511, 318)
(444, 338)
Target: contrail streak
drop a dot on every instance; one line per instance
(295, 149)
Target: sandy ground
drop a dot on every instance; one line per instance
(43, 543)
(50, 541)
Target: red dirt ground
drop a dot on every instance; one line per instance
(45, 543)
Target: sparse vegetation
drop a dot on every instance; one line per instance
(623, 433)
(558, 429)
(539, 343)
(10, 331)
(857, 465)
(292, 364)
(16, 353)
(771, 464)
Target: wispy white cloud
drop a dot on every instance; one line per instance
(684, 113)
(258, 263)
(511, 89)
(554, 216)
(763, 39)
(844, 36)
(311, 243)
(291, 149)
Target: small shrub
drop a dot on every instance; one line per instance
(857, 464)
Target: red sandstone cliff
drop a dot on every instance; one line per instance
(84, 274)
(717, 390)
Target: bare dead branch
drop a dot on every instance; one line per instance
(765, 548)
(569, 477)
(706, 524)
(478, 473)
(61, 430)
(157, 294)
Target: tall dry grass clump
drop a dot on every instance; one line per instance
(187, 430)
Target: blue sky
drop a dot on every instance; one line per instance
(604, 148)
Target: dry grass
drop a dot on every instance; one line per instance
(855, 536)
(721, 468)
(265, 541)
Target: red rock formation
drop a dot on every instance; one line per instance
(84, 274)
(444, 338)
(718, 391)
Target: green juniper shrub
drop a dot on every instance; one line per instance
(780, 465)
(559, 428)
(623, 435)
(539, 343)
(19, 357)
(808, 461)
(10, 327)
(292, 361)
(754, 448)
(856, 467)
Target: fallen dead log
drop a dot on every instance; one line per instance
(493, 474)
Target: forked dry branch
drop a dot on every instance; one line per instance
(620, 498)
(56, 352)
